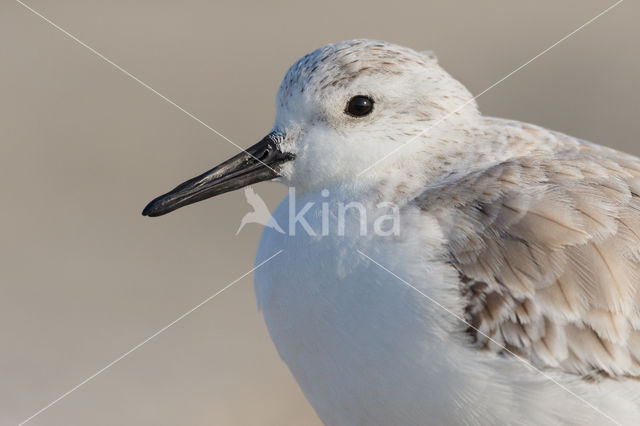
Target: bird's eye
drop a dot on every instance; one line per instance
(359, 106)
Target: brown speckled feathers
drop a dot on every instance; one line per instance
(547, 245)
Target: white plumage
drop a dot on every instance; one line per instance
(531, 236)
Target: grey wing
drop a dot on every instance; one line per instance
(548, 250)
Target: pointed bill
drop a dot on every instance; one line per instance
(258, 163)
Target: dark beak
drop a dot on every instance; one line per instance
(258, 163)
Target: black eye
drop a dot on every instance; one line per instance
(359, 106)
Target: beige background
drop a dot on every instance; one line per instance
(84, 277)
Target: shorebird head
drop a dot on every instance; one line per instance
(350, 113)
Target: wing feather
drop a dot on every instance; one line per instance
(547, 246)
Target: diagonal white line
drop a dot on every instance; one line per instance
(524, 361)
(162, 330)
(393, 151)
(136, 79)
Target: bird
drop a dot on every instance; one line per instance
(260, 214)
(439, 267)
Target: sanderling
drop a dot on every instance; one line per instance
(508, 293)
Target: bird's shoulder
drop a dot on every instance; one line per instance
(547, 246)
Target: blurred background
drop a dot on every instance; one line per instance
(83, 147)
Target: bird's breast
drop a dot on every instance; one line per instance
(339, 311)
